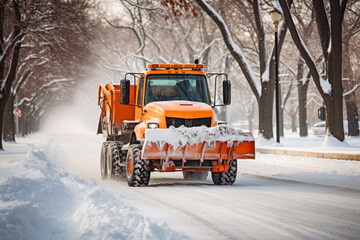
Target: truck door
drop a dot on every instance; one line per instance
(139, 99)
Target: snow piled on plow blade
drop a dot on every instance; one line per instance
(182, 136)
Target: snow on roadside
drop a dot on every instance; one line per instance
(40, 201)
(331, 172)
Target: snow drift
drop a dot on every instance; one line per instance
(41, 201)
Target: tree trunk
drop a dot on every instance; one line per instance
(2, 106)
(334, 104)
(350, 99)
(293, 123)
(352, 114)
(2, 65)
(250, 118)
(22, 125)
(302, 98)
(265, 106)
(6, 91)
(11, 74)
(8, 121)
(333, 100)
(302, 86)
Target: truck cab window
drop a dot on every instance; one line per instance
(168, 87)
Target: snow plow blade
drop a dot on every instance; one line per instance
(197, 148)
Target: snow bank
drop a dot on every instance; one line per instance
(179, 137)
(327, 144)
(40, 201)
(323, 171)
(261, 141)
(332, 142)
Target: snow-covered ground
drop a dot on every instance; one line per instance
(332, 172)
(313, 143)
(39, 200)
(50, 188)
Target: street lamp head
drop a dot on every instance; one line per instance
(275, 15)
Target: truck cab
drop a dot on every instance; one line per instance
(172, 95)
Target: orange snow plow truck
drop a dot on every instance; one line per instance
(163, 120)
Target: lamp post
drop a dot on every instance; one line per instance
(276, 17)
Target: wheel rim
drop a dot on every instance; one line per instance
(129, 166)
(103, 164)
(103, 168)
(103, 172)
(109, 163)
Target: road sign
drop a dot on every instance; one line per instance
(17, 112)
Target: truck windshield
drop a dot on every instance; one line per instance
(167, 87)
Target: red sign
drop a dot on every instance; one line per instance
(17, 112)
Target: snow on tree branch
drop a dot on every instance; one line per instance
(233, 47)
(144, 8)
(43, 87)
(352, 90)
(14, 41)
(322, 84)
(141, 57)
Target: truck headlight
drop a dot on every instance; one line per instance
(153, 125)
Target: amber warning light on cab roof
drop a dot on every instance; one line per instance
(175, 66)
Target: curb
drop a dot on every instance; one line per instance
(340, 156)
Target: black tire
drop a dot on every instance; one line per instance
(103, 160)
(119, 167)
(226, 178)
(195, 175)
(114, 159)
(137, 169)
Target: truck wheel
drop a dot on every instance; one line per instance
(103, 160)
(114, 170)
(226, 178)
(137, 169)
(120, 170)
(195, 175)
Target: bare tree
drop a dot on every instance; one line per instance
(45, 32)
(351, 26)
(9, 51)
(330, 34)
(262, 88)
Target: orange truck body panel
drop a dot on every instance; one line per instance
(217, 152)
(110, 94)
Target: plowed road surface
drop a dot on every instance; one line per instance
(253, 208)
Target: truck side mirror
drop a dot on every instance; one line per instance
(227, 92)
(124, 91)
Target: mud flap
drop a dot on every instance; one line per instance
(99, 130)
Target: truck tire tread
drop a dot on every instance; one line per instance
(226, 178)
(140, 175)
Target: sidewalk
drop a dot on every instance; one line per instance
(312, 146)
(309, 153)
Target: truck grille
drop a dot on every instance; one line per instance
(197, 122)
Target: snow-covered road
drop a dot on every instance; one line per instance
(255, 207)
